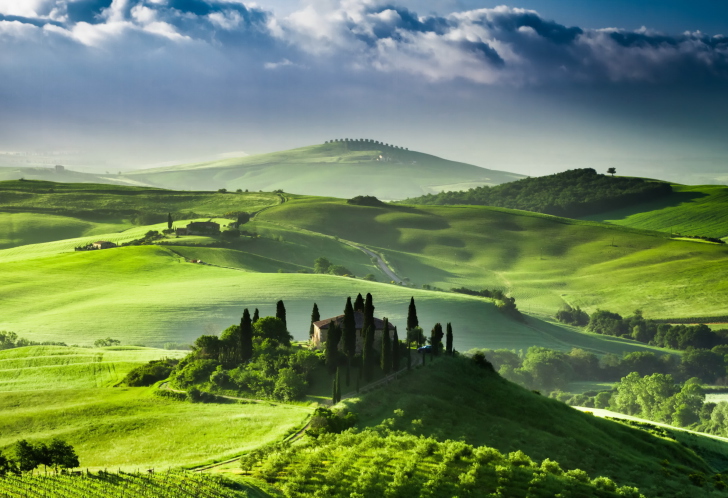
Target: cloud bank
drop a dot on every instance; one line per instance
(499, 46)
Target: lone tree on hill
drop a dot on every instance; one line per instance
(412, 320)
(448, 340)
(246, 337)
(349, 332)
(386, 350)
(395, 351)
(256, 315)
(612, 171)
(281, 313)
(332, 346)
(315, 317)
(169, 221)
(359, 303)
(436, 339)
(368, 353)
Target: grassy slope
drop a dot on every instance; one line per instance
(49, 174)
(57, 367)
(147, 295)
(130, 428)
(542, 260)
(327, 170)
(494, 412)
(691, 210)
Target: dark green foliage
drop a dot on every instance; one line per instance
(315, 317)
(612, 171)
(448, 340)
(368, 352)
(246, 336)
(193, 372)
(349, 330)
(332, 346)
(412, 320)
(416, 335)
(368, 312)
(337, 386)
(148, 374)
(339, 270)
(104, 343)
(27, 457)
(572, 316)
(396, 349)
(321, 265)
(272, 329)
(573, 194)
(385, 352)
(10, 340)
(169, 221)
(366, 200)
(7, 466)
(281, 313)
(359, 303)
(607, 323)
(436, 336)
(242, 218)
(348, 372)
(62, 455)
(325, 421)
(409, 357)
(57, 454)
(256, 315)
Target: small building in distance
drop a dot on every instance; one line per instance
(203, 228)
(60, 169)
(321, 329)
(181, 231)
(103, 244)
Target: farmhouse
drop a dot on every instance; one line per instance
(321, 329)
(203, 228)
(103, 244)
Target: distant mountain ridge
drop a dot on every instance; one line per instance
(339, 168)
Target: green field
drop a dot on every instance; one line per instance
(57, 367)
(690, 210)
(327, 169)
(542, 260)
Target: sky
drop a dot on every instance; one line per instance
(534, 87)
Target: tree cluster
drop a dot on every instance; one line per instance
(10, 340)
(363, 144)
(506, 304)
(28, 456)
(573, 193)
(323, 265)
(366, 200)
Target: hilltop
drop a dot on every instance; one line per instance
(344, 168)
(65, 175)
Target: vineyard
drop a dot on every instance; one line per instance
(111, 485)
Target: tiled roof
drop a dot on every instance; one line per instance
(358, 317)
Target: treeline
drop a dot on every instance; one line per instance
(10, 340)
(506, 305)
(573, 194)
(699, 237)
(27, 456)
(359, 144)
(549, 370)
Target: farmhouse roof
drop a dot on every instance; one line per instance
(203, 223)
(358, 317)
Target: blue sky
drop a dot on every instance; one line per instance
(533, 87)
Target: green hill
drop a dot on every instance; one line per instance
(343, 169)
(67, 176)
(542, 260)
(689, 210)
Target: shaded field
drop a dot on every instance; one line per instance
(130, 428)
(690, 210)
(57, 367)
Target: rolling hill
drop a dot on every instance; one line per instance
(342, 169)
(66, 176)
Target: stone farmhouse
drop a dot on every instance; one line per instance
(103, 244)
(202, 228)
(321, 329)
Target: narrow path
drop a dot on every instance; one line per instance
(382, 265)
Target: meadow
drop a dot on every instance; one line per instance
(327, 169)
(690, 210)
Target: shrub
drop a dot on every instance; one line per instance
(148, 374)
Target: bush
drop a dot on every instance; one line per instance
(148, 374)
(366, 200)
(325, 421)
(194, 372)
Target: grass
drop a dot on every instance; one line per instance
(130, 428)
(57, 367)
(543, 261)
(327, 169)
(690, 210)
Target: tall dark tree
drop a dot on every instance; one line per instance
(246, 337)
(395, 351)
(169, 221)
(256, 315)
(332, 346)
(338, 384)
(412, 320)
(26, 456)
(281, 313)
(349, 330)
(385, 353)
(448, 340)
(334, 390)
(62, 455)
(409, 357)
(368, 312)
(348, 372)
(359, 303)
(436, 339)
(368, 353)
(315, 317)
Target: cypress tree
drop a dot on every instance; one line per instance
(448, 340)
(332, 346)
(169, 221)
(409, 357)
(368, 313)
(315, 317)
(368, 356)
(395, 351)
(412, 320)
(349, 330)
(246, 337)
(256, 315)
(338, 384)
(333, 391)
(359, 303)
(348, 373)
(385, 353)
(281, 313)
(436, 339)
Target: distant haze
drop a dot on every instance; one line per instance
(531, 88)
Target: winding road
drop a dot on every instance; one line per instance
(382, 265)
